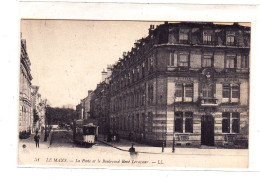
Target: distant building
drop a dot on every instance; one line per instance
(39, 110)
(99, 103)
(25, 104)
(83, 108)
(190, 80)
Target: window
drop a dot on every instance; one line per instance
(207, 61)
(225, 122)
(230, 62)
(207, 90)
(226, 91)
(178, 90)
(183, 61)
(244, 62)
(178, 123)
(230, 38)
(188, 92)
(207, 37)
(150, 121)
(235, 122)
(171, 59)
(188, 122)
(137, 123)
(231, 91)
(184, 35)
(150, 94)
(235, 91)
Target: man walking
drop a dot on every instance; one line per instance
(37, 139)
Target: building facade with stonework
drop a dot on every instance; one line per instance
(184, 81)
(39, 109)
(83, 108)
(25, 103)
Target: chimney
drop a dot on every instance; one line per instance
(89, 92)
(104, 75)
(109, 70)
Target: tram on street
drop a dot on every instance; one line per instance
(84, 134)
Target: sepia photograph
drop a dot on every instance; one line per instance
(102, 93)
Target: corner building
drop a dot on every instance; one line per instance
(188, 80)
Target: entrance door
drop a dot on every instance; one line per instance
(207, 130)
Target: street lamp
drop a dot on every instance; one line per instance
(45, 133)
(173, 137)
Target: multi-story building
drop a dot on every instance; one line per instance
(25, 105)
(99, 103)
(39, 109)
(188, 81)
(83, 108)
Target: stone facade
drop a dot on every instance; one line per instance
(25, 104)
(39, 110)
(187, 80)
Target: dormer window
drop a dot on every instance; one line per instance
(184, 35)
(230, 38)
(207, 37)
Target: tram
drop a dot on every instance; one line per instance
(84, 134)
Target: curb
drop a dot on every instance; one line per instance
(112, 145)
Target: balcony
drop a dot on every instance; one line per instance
(208, 102)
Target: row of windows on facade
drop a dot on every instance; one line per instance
(185, 37)
(183, 122)
(183, 93)
(208, 37)
(180, 59)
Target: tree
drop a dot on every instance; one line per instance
(35, 116)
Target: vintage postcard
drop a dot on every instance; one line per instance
(134, 93)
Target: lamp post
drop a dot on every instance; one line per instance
(173, 137)
(45, 133)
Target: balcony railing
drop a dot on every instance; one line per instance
(208, 102)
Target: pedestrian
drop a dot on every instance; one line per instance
(37, 139)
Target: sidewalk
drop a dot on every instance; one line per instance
(124, 145)
(30, 143)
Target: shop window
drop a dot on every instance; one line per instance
(235, 122)
(225, 122)
(189, 122)
(178, 123)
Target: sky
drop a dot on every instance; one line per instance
(68, 56)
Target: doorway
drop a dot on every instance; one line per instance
(207, 130)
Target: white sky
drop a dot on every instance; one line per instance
(68, 56)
